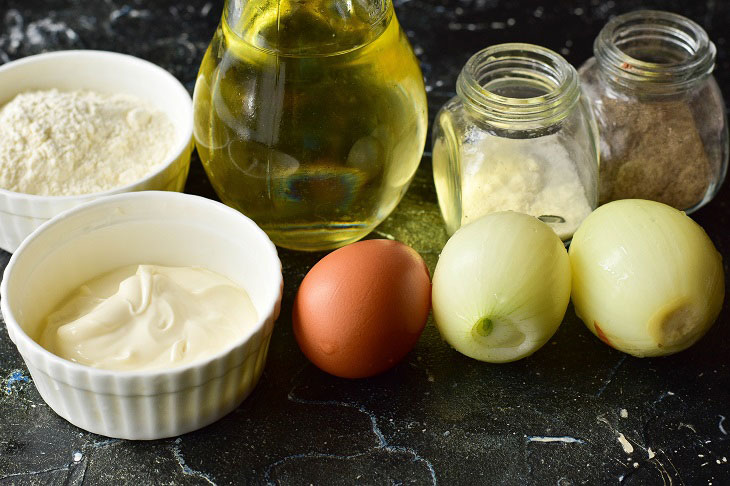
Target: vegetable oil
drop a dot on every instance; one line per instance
(310, 117)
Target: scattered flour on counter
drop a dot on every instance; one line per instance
(56, 143)
(628, 448)
(564, 439)
(532, 176)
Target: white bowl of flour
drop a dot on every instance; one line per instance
(79, 125)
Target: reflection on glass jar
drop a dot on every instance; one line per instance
(310, 117)
(660, 113)
(516, 137)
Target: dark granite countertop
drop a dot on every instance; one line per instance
(554, 418)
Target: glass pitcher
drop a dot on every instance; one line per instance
(310, 116)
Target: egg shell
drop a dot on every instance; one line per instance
(362, 308)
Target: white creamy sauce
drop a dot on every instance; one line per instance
(149, 317)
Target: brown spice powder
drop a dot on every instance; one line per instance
(651, 150)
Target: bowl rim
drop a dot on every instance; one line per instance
(186, 139)
(31, 345)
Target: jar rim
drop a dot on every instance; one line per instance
(491, 79)
(689, 53)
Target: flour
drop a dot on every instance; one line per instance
(55, 143)
(531, 176)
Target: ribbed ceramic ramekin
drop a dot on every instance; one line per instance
(103, 72)
(164, 228)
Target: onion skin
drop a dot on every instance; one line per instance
(647, 279)
(501, 287)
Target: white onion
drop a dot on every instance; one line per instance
(647, 280)
(501, 287)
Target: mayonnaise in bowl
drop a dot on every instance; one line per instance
(141, 317)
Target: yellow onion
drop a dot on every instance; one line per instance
(647, 280)
(501, 287)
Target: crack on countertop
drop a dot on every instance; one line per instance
(682, 425)
(323, 455)
(660, 460)
(80, 464)
(660, 467)
(187, 470)
(75, 469)
(611, 375)
(676, 471)
(103, 443)
(662, 397)
(382, 442)
(35, 473)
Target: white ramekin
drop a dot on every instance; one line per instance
(103, 72)
(165, 228)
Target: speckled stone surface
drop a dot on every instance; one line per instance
(576, 412)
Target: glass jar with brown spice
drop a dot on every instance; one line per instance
(661, 116)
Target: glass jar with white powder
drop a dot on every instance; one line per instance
(518, 136)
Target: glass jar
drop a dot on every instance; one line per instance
(661, 116)
(517, 137)
(310, 116)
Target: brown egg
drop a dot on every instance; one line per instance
(362, 308)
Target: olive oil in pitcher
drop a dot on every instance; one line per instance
(310, 117)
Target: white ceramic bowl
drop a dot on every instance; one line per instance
(104, 72)
(165, 228)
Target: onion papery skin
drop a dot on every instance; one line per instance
(501, 287)
(647, 280)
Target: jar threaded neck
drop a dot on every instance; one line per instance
(518, 86)
(655, 50)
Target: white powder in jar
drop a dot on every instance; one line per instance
(532, 176)
(56, 143)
